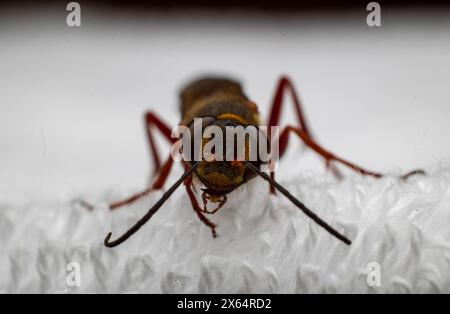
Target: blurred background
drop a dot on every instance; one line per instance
(72, 98)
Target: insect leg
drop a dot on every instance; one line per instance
(197, 208)
(328, 156)
(151, 120)
(275, 112)
(157, 184)
(284, 84)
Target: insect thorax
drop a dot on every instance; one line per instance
(217, 97)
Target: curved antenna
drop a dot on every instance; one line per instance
(299, 204)
(151, 211)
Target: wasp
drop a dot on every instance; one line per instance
(222, 102)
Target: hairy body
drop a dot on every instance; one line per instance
(225, 101)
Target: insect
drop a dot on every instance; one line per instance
(222, 102)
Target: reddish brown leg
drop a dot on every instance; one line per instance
(151, 121)
(157, 184)
(197, 208)
(328, 156)
(275, 114)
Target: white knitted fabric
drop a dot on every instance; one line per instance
(264, 245)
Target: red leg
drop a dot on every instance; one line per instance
(275, 111)
(157, 184)
(197, 208)
(275, 114)
(151, 121)
(328, 156)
